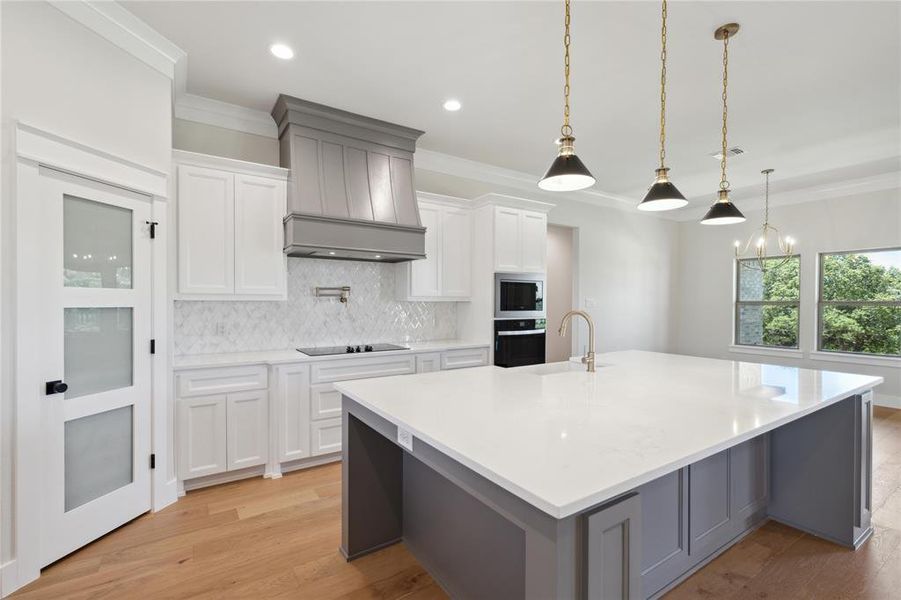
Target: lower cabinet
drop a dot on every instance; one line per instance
(691, 513)
(224, 421)
(224, 432)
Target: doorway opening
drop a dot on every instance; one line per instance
(561, 291)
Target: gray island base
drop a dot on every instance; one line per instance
(480, 541)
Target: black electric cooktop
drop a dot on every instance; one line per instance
(362, 348)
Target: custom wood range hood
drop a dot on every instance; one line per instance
(350, 193)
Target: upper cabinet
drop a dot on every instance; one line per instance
(230, 236)
(446, 271)
(520, 240)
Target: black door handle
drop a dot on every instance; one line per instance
(55, 387)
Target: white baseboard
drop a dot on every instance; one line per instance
(887, 400)
(165, 495)
(9, 578)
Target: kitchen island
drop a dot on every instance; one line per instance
(550, 482)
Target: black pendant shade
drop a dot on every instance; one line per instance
(567, 173)
(723, 212)
(663, 195)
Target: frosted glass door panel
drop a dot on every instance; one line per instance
(98, 455)
(97, 350)
(96, 244)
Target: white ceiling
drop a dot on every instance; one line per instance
(815, 87)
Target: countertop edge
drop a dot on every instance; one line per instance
(271, 357)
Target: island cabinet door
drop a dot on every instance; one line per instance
(613, 557)
(664, 531)
(710, 507)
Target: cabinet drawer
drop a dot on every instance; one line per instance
(325, 436)
(202, 382)
(426, 363)
(360, 368)
(459, 359)
(325, 402)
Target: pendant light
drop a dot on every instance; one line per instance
(723, 212)
(662, 195)
(566, 173)
(761, 240)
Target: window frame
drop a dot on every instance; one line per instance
(738, 303)
(821, 304)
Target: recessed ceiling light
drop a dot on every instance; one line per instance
(452, 105)
(281, 51)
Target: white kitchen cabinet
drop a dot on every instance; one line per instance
(533, 228)
(230, 236)
(206, 225)
(426, 363)
(247, 436)
(201, 436)
(520, 240)
(293, 411)
(425, 274)
(507, 239)
(259, 235)
(325, 402)
(446, 271)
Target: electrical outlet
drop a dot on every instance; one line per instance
(220, 328)
(405, 438)
(590, 303)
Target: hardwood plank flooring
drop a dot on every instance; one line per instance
(261, 538)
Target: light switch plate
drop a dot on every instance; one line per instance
(405, 438)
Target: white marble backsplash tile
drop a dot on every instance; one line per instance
(373, 313)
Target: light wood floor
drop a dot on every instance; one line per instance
(279, 539)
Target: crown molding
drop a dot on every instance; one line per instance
(199, 109)
(117, 25)
(447, 164)
(826, 191)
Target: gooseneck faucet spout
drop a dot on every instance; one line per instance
(588, 359)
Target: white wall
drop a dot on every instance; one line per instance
(218, 141)
(61, 77)
(704, 310)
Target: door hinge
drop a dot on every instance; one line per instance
(153, 225)
(153, 346)
(153, 461)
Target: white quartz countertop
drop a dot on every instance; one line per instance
(273, 357)
(564, 440)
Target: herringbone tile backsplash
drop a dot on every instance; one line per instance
(373, 313)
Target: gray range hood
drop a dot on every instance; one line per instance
(350, 193)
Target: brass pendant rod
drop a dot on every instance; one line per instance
(566, 130)
(663, 85)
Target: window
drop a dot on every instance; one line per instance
(767, 302)
(859, 308)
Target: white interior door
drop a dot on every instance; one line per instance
(96, 274)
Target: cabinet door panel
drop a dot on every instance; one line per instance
(749, 480)
(507, 239)
(664, 541)
(325, 436)
(425, 273)
(711, 507)
(534, 242)
(206, 231)
(248, 427)
(325, 402)
(614, 552)
(259, 236)
(201, 436)
(465, 358)
(294, 412)
(456, 249)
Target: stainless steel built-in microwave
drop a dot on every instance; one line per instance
(519, 296)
